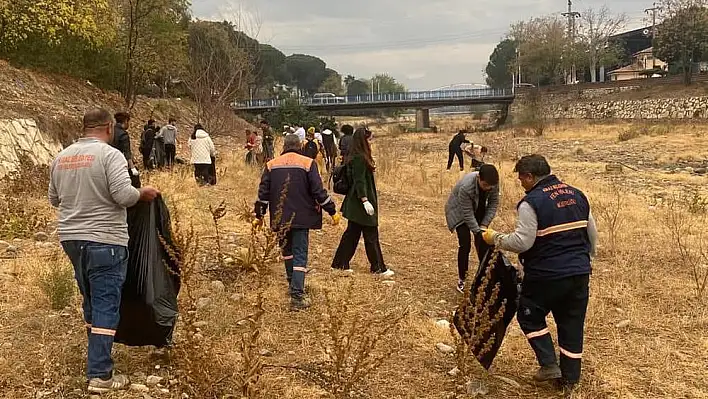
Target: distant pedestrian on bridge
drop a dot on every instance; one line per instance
(455, 150)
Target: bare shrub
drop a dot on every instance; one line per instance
(251, 368)
(18, 217)
(206, 374)
(533, 116)
(57, 283)
(689, 241)
(352, 345)
(476, 318)
(610, 212)
(633, 132)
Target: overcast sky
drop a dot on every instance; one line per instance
(423, 43)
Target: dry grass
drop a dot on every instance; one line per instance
(661, 353)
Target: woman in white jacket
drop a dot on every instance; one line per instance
(203, 151)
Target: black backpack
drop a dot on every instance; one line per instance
(340, 177)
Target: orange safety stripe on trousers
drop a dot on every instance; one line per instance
(102, 331)
(300, 269)
(571, 354)
(562, 227)
(538, 333)
(289, 257)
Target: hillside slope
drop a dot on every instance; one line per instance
(58, 102)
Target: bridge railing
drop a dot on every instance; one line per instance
(378, 98)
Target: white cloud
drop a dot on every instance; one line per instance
(423, 43)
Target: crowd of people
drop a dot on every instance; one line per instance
(95, 179)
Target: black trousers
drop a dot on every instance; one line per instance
(202, 173)
(460, 157)
(464, 238)
(567, 300)
(350, 240)
(146, 160)
(170, 153)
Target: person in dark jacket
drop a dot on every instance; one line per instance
(296, 177)
(330, 148)
(268, 141)
(310, 148)
(361, 209)
(121, 142)
(471, 207)
(345, 142)
(555, 238)
(455, 150)
(147, 142)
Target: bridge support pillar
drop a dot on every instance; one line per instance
(422, 119)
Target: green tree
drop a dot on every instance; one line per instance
(270, 68)
(150, 31)
(357, 87)
(308, 72)
(544, 53)
(332, 83)
(501, 63)
(219, 72)
(290, 113)
(55, 20)
(598, 25)
(384, 83)
(682, 38)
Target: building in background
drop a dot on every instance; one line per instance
(644, 65)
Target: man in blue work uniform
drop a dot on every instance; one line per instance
(555, 238)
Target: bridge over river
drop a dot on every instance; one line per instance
(421, 101)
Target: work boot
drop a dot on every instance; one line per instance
(567, 388)
(298, 304)
(115, 383)
(548, 373)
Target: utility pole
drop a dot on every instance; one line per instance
(572, 15)
(653, 11)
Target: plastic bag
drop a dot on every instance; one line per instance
(148, 309)
(504, 274)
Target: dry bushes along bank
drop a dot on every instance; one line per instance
(645, 334)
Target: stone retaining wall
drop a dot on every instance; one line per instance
(22, 136)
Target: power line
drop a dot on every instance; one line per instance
(393, 44)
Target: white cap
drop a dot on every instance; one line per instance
(327, 132)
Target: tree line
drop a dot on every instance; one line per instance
(155, 47)
(544, 50)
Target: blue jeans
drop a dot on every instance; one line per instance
(295, 247)
(100, 271)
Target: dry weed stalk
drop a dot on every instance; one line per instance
(251, 369)
(352, 345)
(264, 245)
(610, 211)
(218, 213)
(690, 244)
(206, 375)
(475, 318)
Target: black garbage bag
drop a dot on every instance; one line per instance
(148, 309)
(503, 274)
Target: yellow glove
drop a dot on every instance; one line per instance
(336, 218)
(257, 223)
(489, 235)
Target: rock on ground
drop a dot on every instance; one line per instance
(218, 286)
(153, 380)
(445, 348)
(203, 302)
(41, 236)
(139, 388)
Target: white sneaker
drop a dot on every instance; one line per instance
(116, 383)
(388, 274)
